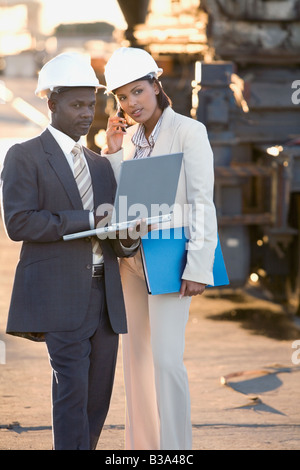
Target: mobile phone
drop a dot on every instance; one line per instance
(120, 114)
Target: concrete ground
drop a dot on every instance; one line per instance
(257, 408)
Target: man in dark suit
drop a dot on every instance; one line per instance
(67, 294)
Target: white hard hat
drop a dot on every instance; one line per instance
(128, 64)
(69, 69)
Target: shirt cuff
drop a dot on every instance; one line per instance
(92, 220)
(128, 250)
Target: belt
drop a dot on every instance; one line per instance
(98, 270)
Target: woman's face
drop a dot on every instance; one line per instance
(139, 100)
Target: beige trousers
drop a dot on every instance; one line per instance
(156, 382)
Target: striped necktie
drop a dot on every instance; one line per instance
(84, 184)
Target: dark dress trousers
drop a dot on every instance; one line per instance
(54, 292)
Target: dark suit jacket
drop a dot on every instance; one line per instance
(41, 203)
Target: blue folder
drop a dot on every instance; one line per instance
(164, 259)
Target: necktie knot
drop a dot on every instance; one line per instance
(76, 150)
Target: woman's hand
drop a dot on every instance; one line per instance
(190, 288)
(116, 128)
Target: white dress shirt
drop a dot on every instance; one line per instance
(143, 145)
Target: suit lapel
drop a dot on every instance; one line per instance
(129, 150)
(61, 167)
(164, 141)
(128, 146)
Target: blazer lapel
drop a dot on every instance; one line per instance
(129, 150)
(128, 146)
(62, 169)
(164, 142)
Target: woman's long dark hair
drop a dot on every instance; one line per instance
(163, 99)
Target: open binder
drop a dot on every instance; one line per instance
(164, 258)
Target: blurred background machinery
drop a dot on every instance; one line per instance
(235, 66)
(232, 64)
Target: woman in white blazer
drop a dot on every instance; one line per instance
(156, 382)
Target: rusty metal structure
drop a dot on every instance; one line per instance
(235, 66)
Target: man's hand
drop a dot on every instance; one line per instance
(132, 234)
(190, 288)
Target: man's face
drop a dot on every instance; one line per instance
(73, 111)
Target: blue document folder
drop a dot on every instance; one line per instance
(164, 259)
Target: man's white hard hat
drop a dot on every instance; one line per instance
(69, 69)
(128, 64)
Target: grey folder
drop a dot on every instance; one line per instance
(146, 190)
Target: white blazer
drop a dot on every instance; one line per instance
(194, 206)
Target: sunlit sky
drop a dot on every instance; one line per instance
(68, 11)
(14, 34)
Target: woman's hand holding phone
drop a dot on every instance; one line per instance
(116, 129)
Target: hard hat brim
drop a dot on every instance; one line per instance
(122, 82)
(45, 93)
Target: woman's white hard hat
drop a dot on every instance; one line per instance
(128, 64)
(69, 69)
